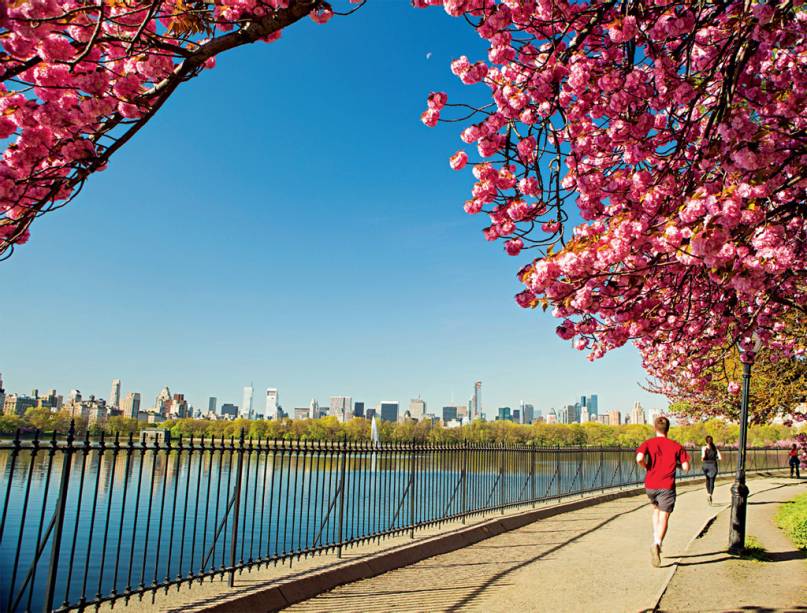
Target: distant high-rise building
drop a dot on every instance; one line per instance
(162, 403)
(504, 414)
(552, 417)
(476, 401)
(16, 404)
(369, 414)
(527, 413)
(615, 418)
(246, 402)
(179, 406)
(517, 416)
(388, 410)
(114, 394)
(358, 409)
(301, 412)
(449, 414)
(637, 414)
(417, 408)
(313, 409)
(229, 410)
(591, 405)
(341, 407)
(75, 396)
(131, 405)
(272, 403)
(211, 404)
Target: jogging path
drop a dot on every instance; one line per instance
(591, 559)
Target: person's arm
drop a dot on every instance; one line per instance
(641, 455)
(703, 453)
(684, 458)
(719, 457)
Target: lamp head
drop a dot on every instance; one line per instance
(750, 346)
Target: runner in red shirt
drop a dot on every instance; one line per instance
(660, 456)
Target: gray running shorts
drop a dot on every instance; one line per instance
(663, 499)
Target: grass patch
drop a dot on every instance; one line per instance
(754, 550)
(792, 518)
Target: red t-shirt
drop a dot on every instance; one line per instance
(662, 455)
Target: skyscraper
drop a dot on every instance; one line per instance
(637, 414)
(313, 409)
(272, 403)
(449, 414)
(591, 405)
(388, 409)
(211, 404)
(417, 408)
(163, 401)
(246, 402)
(114, 394)
(131, 405)
(504, 414)
(476, 401)
(527, 413)
(358, 409)
(615, 418)
(341, 407)
(229, 410)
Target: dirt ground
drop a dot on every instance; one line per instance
(708, 579)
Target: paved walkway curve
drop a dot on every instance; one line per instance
(595, 559)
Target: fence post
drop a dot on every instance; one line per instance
(412, 491)
(532, 474)
(557, 470)
(341, 494)
(61, 503)
(621, 480)
(236, 507)
(464, 479)
(602, 470)
(501, 477)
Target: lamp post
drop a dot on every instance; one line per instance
(739, 491)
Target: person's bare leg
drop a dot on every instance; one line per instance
(655, 550)
(655, 524)
(663, 520)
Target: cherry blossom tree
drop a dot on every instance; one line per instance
(651, 154)
(79, 78)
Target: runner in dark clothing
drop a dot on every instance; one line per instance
(794, 461)
(709, 457)
(661, 456)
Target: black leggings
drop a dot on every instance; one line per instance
(794, 467)
(710, 470)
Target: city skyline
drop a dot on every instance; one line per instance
(339, 406)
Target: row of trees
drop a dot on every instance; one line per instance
(330, 429)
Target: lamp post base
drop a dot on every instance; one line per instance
(739, 503)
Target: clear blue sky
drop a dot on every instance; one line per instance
(287, 220)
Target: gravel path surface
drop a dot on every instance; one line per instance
(708, 579)
(594, 559)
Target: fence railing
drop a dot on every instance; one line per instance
(86, 522)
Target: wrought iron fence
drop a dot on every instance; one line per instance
(87, 522)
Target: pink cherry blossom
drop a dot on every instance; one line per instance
(78, 79)
(685, 165)
(458, 160)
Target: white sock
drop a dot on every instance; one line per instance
(658, 542)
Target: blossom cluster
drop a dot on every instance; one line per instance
(653, 156)
(79, 78)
